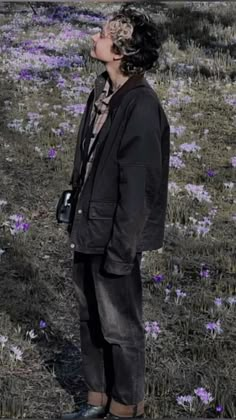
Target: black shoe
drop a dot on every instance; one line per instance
(110, 416)
(86, 411)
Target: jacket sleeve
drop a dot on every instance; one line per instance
(140, 150)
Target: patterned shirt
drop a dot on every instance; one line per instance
(100, 112)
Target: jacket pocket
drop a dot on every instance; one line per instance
(101, 210)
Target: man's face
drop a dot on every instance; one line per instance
(102, 45)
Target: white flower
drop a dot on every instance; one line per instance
(17, 353)
(229, 185)
(1, 252)
(179, 293)
(167, 292)
(192, 219)
(218, 301)
(3, 202)
(16, 218)
(38, 150)
(231, 300)
(31, 334)
(173, 187)
(182, 399)
(3, 340)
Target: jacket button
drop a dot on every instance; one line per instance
(80, 211)
(72, 245)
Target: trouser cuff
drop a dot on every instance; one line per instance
(97, 398)
(122, 410)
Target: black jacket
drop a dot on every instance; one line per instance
(122, 207)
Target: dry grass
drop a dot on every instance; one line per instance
(35, 270)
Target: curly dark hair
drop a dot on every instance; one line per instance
(137, 37)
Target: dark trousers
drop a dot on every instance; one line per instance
(111, 329)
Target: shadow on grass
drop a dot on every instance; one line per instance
(33, 289)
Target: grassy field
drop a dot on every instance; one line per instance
(189, 289)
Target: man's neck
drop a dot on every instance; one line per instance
(117, 82)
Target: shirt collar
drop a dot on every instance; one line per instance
(105, 94)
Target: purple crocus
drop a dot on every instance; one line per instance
(219, 408)
(25, 74)
(52, 153)
(186, 99)
(210, 173)
(201, 229)
(176, 162)
(189, 147)
(215, 327)
(204, 396)
(204, 273)
(173, 101)
(76, 109)
(42, 324)
(179, 130)
(182, 399)
(18, 224)
(198, 192)
(233, 161)
(25, 227)
(158, 278)
(231, 100)
(152, 328)
(218, 301)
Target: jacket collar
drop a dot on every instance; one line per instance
(132, 83)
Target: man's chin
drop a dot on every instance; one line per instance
(93, 55)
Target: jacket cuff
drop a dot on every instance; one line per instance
(117, 267)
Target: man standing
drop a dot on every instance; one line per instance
(121, 169)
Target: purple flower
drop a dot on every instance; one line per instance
(201, 229)
(182, 399)
(173, 187)
(210, 173)
(210, 326)
(58, 131)
(177, 130)
(189, 147)
(214, 326)
(158, 278)
(176, 162)
(42, 324)
(25, 226)
(213, 211)
(218, 301)
(152, 328)
(205, 273)
(219, 408)
(34, 115)
(18, 224)
(173, 101)
(179, 293)
(233, 161)
(25, 74)
(75, 109)
(231, 300)
(52, 153)
(148, 327)
(186, 99)
(197, 191)
(231, 100)
(204, 396)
